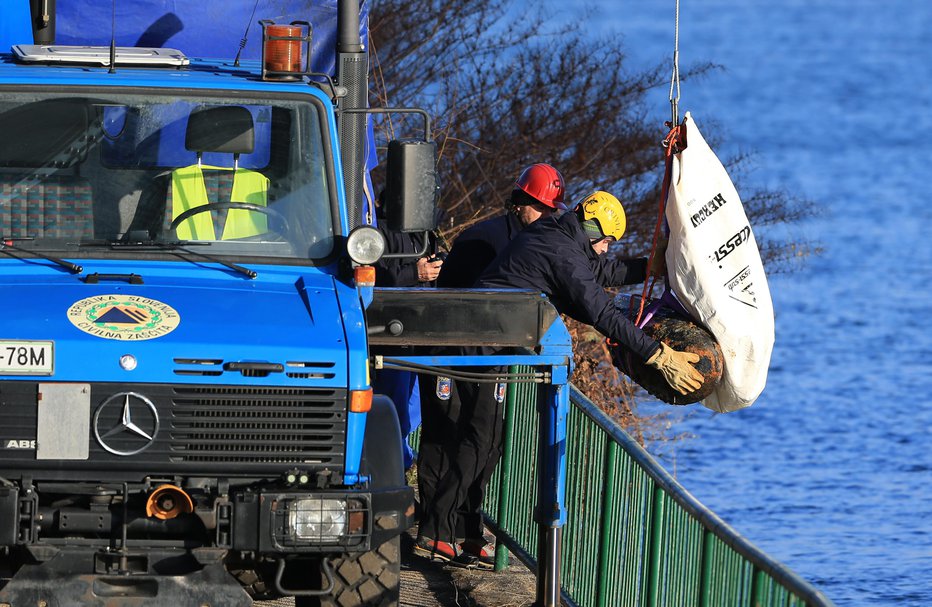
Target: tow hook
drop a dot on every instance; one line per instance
(324, 566)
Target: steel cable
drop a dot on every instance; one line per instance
(675, 77)
(503, 378)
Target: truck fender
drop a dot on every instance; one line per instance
(381, 451)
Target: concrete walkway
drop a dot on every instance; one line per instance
(424, 584)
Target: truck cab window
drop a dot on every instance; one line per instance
(123, 167)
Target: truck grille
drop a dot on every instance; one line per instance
(195, 428)
(271, 425)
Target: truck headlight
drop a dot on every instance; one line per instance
(317, 519)
(365, 245)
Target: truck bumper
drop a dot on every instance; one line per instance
(79, 572)
(52, 584)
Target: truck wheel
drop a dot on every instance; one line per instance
(252, 582)
(371, 579)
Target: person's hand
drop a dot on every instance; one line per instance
(428, 271)
(658, 265)
(677, 368)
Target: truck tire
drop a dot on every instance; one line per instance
(252, 582)
(371, 579)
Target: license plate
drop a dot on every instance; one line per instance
(26, 357)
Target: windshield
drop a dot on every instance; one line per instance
(83, 172)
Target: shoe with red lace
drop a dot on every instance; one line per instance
(436, 550)
(480, 553)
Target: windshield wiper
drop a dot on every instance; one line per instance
(6, 244)
(172, 246)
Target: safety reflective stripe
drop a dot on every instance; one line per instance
(189, 191)
(248, 186)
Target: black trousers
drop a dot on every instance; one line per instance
(461, 443)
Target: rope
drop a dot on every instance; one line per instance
(672, 144)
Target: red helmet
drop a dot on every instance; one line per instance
(543, 183)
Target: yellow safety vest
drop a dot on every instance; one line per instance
(189, 191)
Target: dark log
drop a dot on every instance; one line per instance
(680, 333)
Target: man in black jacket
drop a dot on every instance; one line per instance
(402, 386)
(562, 258)
(538, 192)
(408, 271)
(451, 520)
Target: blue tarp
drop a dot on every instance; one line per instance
(15, 26)
(199, 28)
(206, 28)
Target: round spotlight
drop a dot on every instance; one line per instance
(128, 362)
(365, 245)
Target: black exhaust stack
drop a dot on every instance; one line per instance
(353, 75)
(43, 21)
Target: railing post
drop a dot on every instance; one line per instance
(550, 512)
(548, 568)
(706, 568)
(656, 534)
(504, 488)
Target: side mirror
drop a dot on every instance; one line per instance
(411, 186)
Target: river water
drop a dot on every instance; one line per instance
(830, 471)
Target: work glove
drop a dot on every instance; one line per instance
(658, 265)
(677, 369)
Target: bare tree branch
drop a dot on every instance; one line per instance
(507, 92)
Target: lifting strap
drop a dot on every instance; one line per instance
(674, 142)
(189, 190)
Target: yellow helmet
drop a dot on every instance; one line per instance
(601, 215)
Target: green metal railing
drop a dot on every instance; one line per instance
(634, 536)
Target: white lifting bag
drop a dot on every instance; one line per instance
(716, 272)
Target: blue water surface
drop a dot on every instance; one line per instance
(830, 471)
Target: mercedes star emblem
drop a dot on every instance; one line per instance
(126, 423)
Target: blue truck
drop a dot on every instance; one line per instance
(185, 405)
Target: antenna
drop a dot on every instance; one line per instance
(242, 43)
(112, 37)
